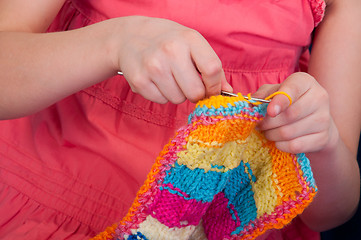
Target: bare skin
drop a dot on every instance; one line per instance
(146, 56)
(162, 60)
(324, 119)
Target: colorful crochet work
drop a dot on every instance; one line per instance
(218, 178)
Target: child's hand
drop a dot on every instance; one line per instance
(163, 60)
(304, 126)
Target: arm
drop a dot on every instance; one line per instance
(335, 63)
(160, 59)
(324, 119)
(38, 69)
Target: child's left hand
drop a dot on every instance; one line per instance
(304, 126)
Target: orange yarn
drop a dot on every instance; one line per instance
(219, 148)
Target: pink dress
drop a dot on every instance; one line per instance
(73, 169)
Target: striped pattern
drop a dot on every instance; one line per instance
(218, 178)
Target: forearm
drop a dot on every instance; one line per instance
(337, 177)
(40, 69)
(334, 63)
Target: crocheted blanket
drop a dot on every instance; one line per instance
(218, 178)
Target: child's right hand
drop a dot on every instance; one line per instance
(160, 59)
(163, 60)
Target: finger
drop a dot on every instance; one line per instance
(212, 77)
(140, 82)
(145, 87)
(304, 144)
(312, 124)
(308, 103)
(210, 67)
(302, 108)
(160, 74)
(225, 86)
(169, 88)
(188, 79)
(266, 90)
(295, 86)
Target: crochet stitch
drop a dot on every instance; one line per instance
(218, 178)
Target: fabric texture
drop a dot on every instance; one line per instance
(74, 168)
(218, 178)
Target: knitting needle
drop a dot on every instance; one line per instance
(228, 94)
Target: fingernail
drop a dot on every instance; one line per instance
(230, 88)
(277, 110)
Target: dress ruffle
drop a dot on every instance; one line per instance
(318, 9)
(68, 18)
(27, 219)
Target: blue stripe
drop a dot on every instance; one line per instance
(137, 236)
(174, 192)
(230, 110)
(306, 169)
(241, 196)
(197, 184)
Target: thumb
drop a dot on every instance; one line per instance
(290, 91)
(266, 90)
(225, 86)
(278, 104)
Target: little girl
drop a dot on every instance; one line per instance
(77, 140)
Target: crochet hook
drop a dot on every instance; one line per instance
(228, 94)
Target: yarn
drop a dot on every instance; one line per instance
(218, 178)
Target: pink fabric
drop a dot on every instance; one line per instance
(318, 9)
(74, 168)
